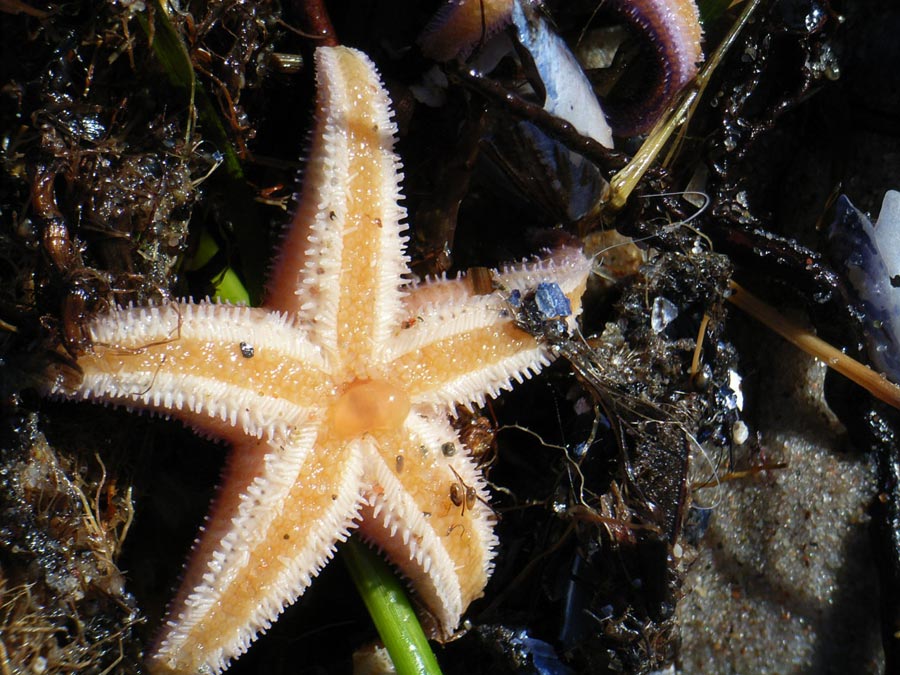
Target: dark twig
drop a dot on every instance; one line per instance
(316, 22)
(553, 126)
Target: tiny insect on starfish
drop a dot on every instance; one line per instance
(335, 395)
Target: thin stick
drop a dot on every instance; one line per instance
(875, 383)
(698, 350)
(624, 182)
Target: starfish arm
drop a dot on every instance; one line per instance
(274, 525)
(426, 509)
(229, 371)
(460, 25)
(458, 347)
(342, 262)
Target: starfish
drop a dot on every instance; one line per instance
(335, 395)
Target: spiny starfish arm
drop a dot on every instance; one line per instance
(426, 509)
(567, 267)
(466, 368)
(457, 347)
(342, 259)
(273, 527)
(229, 371)
(674, 27)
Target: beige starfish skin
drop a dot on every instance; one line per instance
(334, 395)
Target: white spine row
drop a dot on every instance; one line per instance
(190, 397)
(319, 289)
(393, 264)
(437, 581)
(402, 518)
(473, 389)
(137, 327)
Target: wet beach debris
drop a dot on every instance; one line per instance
(65, 606)
(622, 494)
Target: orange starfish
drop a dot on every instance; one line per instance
(335, 394)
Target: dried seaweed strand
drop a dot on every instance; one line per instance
(875, 383)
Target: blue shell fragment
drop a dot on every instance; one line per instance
(551, 302)
(521, 652)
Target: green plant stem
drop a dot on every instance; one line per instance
(228, 286)
(391, 611)
(175, 60)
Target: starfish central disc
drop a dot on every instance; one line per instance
(369, 405)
